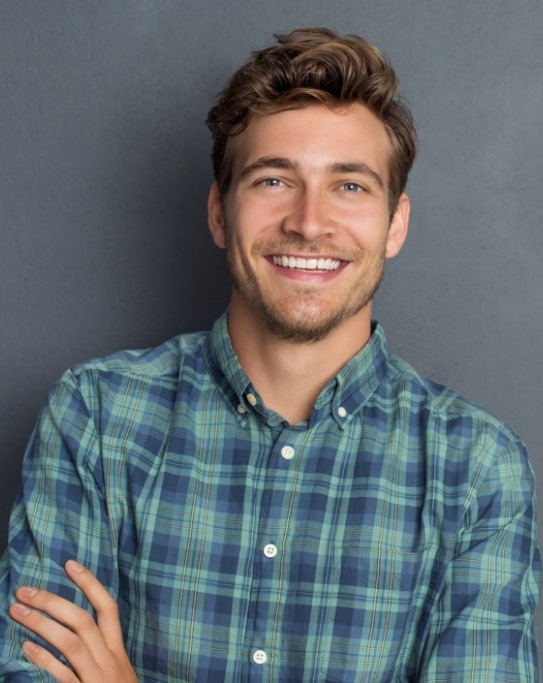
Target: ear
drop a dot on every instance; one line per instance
(399, 226)
(215, 217)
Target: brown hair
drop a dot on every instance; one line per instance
(314, 65)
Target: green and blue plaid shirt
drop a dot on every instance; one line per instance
(390, 538)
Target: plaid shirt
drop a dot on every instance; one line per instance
(390, 538)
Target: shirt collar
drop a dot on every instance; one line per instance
(342, 397)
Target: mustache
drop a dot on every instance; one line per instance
(295, 245)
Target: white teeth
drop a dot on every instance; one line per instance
(306, 263)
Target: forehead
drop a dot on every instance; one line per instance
(314, 137)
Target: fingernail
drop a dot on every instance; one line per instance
(27, 592)
(74, 566)
(31, 648)
(20, 610)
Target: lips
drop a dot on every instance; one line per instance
(308, 264)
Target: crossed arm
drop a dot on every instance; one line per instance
(482, 629)
(94, 649)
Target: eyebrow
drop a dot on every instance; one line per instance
(268, 162)
(283, 163)
(361, 169)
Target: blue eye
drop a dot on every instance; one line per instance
(352, 187)
(272, 182)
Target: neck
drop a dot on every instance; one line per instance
(290, 376)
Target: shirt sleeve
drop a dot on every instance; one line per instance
(482, 629)
(60, 513)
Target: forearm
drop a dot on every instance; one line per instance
(60, 514)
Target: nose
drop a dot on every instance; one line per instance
(309, 216)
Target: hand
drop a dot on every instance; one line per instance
(94, 650)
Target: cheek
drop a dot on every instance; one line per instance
(254, 227)
(370, 239)
(236, 243)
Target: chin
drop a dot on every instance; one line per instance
(301, 331)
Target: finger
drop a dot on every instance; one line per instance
(63, 639)
(107, 611)
(71, 630)
(43, 659)
(64, 611)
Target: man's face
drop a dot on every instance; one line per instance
(305, 222)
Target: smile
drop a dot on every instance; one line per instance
(311, 264)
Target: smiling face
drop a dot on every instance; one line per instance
(305, 222)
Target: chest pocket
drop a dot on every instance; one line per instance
(381, 594)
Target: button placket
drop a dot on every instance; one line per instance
(285, 447)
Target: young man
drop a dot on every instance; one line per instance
(280, 499)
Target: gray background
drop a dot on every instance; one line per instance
(104, 172)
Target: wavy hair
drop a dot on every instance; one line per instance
(314, 66)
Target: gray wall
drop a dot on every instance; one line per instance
(104, 173)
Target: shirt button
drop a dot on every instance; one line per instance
(259, 657)
(287, 452)
(341, 411)
(241, 409)
(270, 550)
(251, 398)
